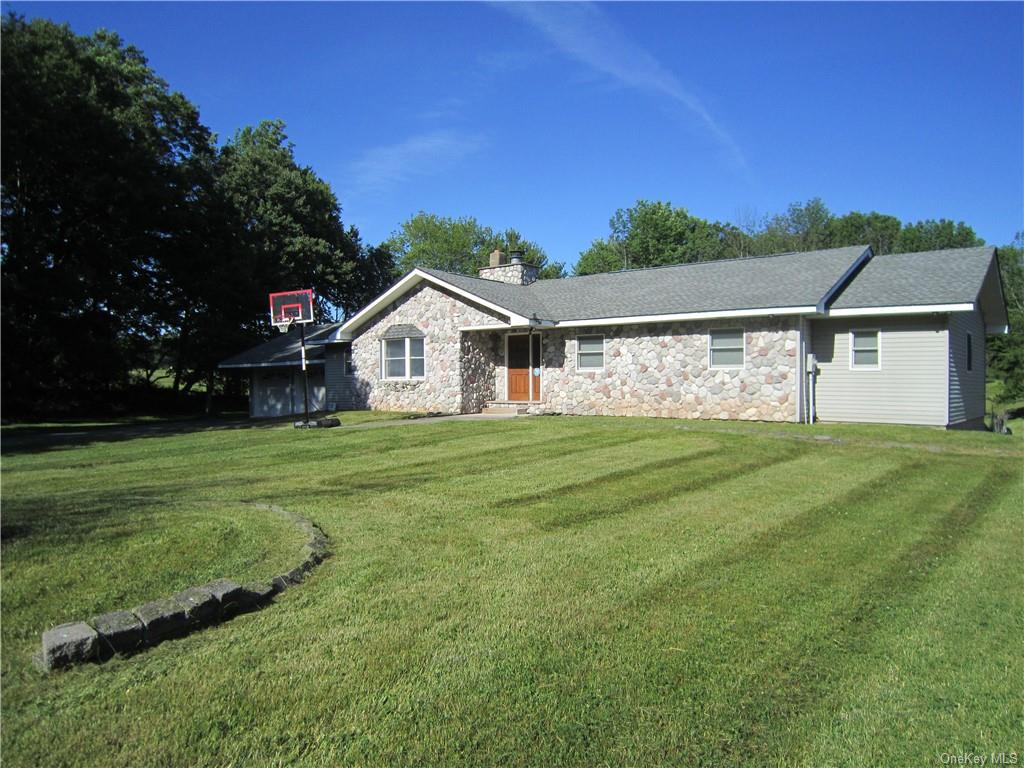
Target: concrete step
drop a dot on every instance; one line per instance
(504, 409)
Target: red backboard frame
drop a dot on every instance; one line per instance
(288, 307)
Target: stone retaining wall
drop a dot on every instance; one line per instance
(126, 632)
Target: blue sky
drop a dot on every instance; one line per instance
(549, 117)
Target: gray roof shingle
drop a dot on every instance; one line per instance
(763, 282)
(286, 349)
(952, 276)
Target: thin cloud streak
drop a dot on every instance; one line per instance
(380, 169)
(583, 32)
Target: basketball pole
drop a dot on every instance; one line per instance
(305, 372)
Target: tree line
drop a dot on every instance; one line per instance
(653, 234)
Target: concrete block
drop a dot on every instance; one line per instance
(120, 632)
(231, 596)
(259, 593)
(162, 619)
(69, 644)
(202, 608)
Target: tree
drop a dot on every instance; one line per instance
(129, 241)
(602, 256)
(652, 234)
(1006, 351)
(803, 227)
(459, 245)
(878, 230)
(274, 225)
(94, 151)
(932, 235)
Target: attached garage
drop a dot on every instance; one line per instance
(275, 370)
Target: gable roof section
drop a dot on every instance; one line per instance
(950, 280)
(447, 280)
(286, 349)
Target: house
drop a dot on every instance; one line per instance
(829, 335)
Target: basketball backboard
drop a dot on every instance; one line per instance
(287, 307)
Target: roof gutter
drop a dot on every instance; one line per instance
(679, 316)
(910, 309)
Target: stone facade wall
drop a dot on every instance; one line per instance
(662, 370)
(458, 372)
(516, 274)
(481, 352)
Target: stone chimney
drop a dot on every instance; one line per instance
(514, 270)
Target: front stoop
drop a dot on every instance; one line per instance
(505, 408)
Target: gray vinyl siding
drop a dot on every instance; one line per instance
(966, 388)
(910, 386)
(341, 389)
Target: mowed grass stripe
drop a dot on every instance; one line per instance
(632, 489)
(949, 663)
(569, 694)
(434, 640)
(474, 462)
(807, 616)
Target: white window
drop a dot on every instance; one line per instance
(970, 353)
(589, 352)
(402, 358)
(864, 349)
(726, 348)
(346, 362)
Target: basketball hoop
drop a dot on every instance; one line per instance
(289, 308)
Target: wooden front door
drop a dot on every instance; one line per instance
(518, 367)
(524, 367)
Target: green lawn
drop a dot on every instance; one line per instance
(529, 592)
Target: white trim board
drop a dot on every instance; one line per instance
(919, 309)
(725, 313)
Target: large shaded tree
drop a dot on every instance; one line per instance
(95, 150)
(272, 224)
(130, 243)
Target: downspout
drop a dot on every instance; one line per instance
(800, 398)
(812, 374)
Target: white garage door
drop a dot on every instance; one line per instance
(279, 393)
